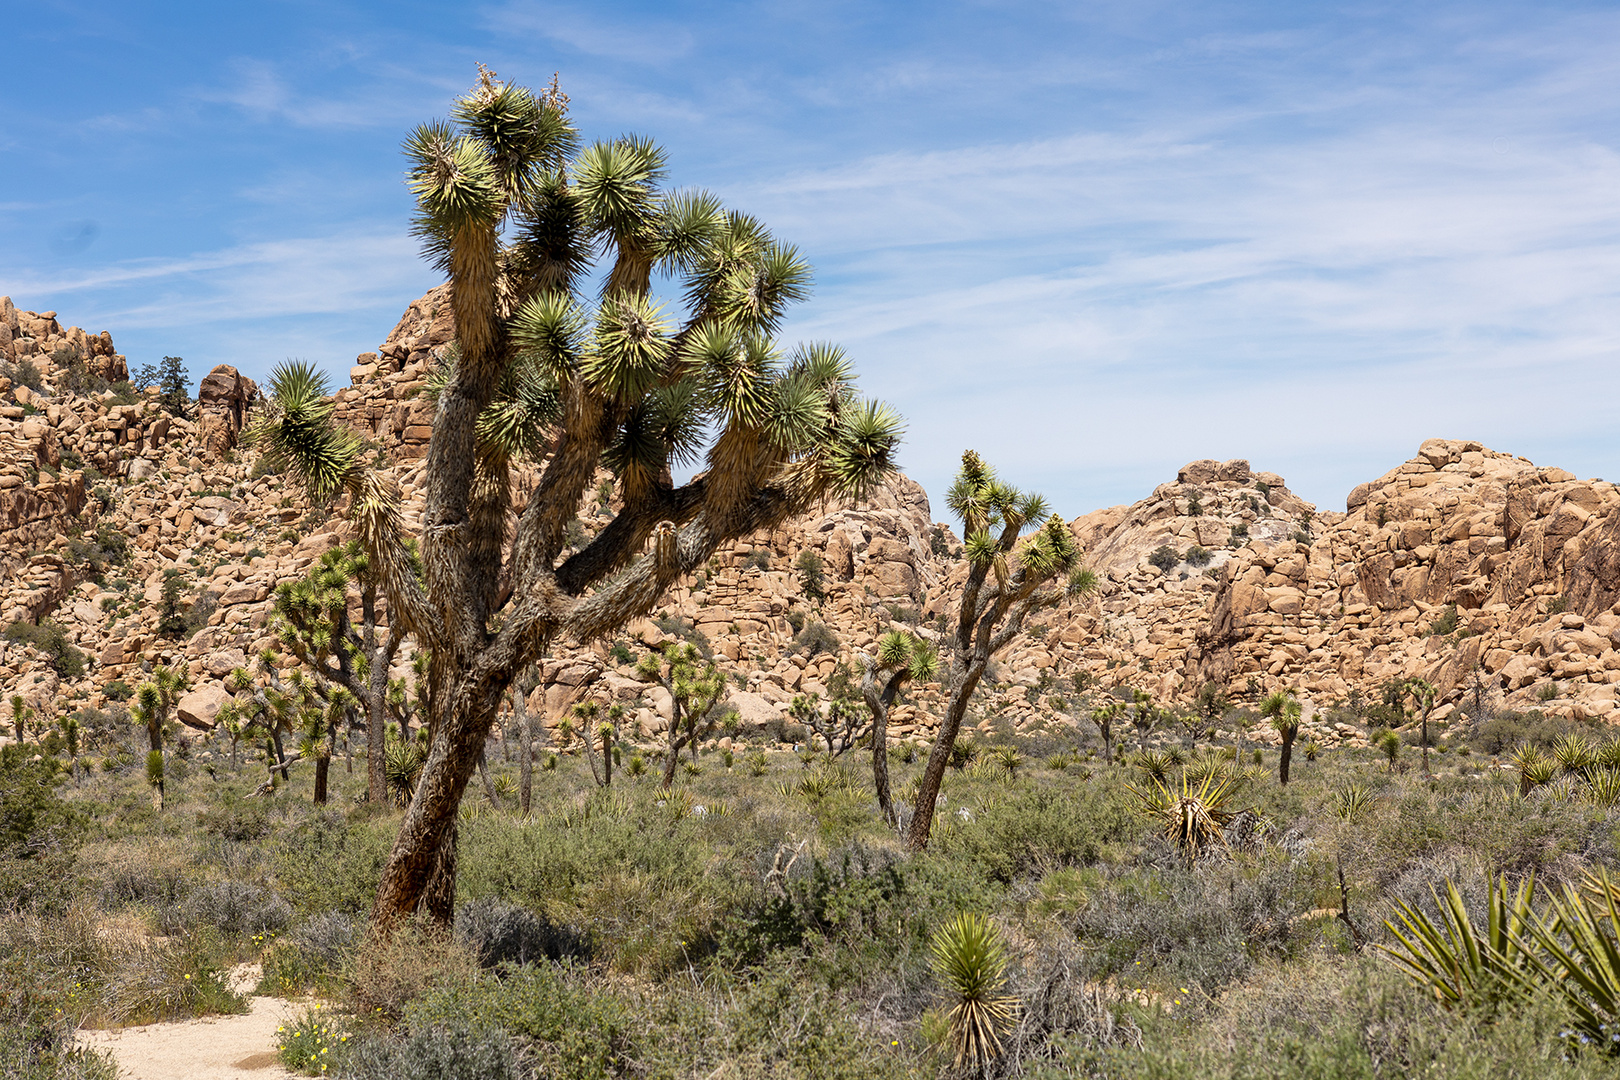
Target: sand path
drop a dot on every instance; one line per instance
(212, 1048)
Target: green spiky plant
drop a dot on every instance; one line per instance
(1388, 743)
(1194, 817)
(695, 687)
(1574, 755)
(1351, 800)
(1579, 954)
(1007, 580)
(901, 657)
(21, 714)
(969, 960)
(1461, 964)
(1535, 768)
(154, 702)
(547, 369)
(1284, 714)
(1154, 765)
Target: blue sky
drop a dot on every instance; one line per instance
(1092, 241)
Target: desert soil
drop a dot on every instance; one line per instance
(212, 1048)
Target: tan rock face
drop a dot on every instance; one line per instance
(1263, 589)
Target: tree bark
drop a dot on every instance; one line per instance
(520, 713)
(322, 766)
(1286, 756)
(878, 702)
(922, 817)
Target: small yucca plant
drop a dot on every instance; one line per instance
(1574, 754)
(1535, 768)
(1350, 800)
(1154, 765)
(1193, 817)
(1603, 787)
(968, 958)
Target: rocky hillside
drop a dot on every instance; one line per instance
(1462, 565)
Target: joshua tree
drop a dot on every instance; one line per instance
(1104, 716)
(601, 728)
(516, 213)
(1211, 704)
(21, 714)
(1144, 717)
(841, 727)
(314, 625)
(902, 657)
(153, 702)
(1006, 581)
(70, 735)
(522, 687)
(695, 687)
(1284, 713)
(1423, 696)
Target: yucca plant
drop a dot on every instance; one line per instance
(1579, 957)
(1154, 765)
(1193, 817)
(1010, 761)
(564, 359)
(1574, 755)
(1535, 768)
(969, 960)
(1454, 959)
(1206, 764)
(1602, 787)
(1351, 800)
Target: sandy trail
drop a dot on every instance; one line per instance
(212, 1048)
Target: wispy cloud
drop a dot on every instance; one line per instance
(637, 40)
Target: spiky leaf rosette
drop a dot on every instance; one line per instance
(1193, 817)
(1457, 961)
(969, 960)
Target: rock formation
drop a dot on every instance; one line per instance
(1462, 565)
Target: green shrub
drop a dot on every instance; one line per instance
(1198, 556)
(814, 639)
(757, 559)
(1165, 558)
(812, 577)
(1446, 622)
(50, 638)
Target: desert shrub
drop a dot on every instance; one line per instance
(1206, 926)
(50, 638)
(1237, 533)
(757, 559)
(235, 908)
(651, 883)
(1198, 556)
(311, 958)
(501, 932)
(34, 821)
(814, 639)
(1446, 622)
(685, 629)
(386, 974)
(25, 373)
(812, 576)
(237, 819)
(470, 1051)
(169, 979)
(1503, 732)
(328, 864)
(306, 1044)
(1039, 829)
(1165, 558)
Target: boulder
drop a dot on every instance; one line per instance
(199, 708)
(223, 399)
